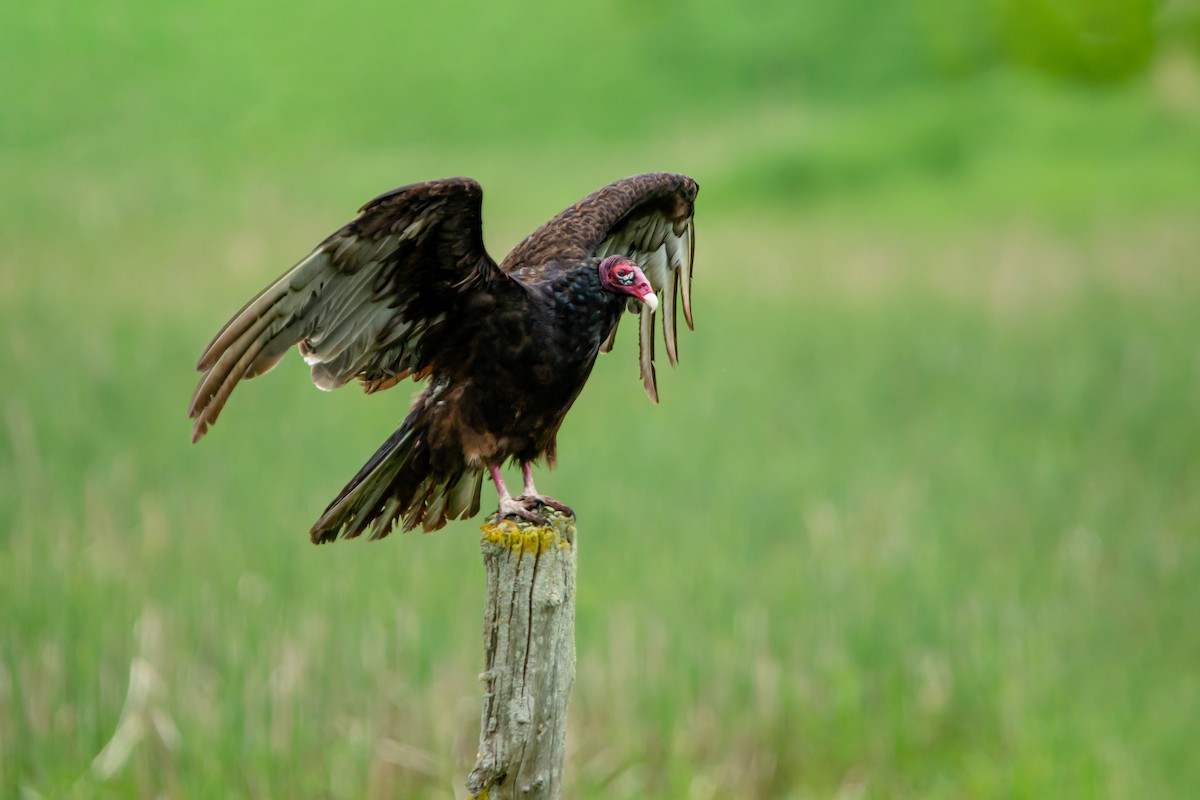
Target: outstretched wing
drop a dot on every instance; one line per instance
(374, 301)
(646, 217)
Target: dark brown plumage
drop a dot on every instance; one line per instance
(407, 290)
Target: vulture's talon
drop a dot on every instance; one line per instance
(510, 507)
(548, 502)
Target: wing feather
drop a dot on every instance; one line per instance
(670, 330)
(646, 217)
(664, 252)
(369, 302)
(646, 353)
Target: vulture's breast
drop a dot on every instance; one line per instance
(531, 360)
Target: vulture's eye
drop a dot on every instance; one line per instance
(624, 274)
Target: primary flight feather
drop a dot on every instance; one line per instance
(407, 289)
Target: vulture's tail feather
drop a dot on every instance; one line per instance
(397, 484)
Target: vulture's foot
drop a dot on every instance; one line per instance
(519, 508)
(548, 502)
(530, 496)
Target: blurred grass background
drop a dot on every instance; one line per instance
(917, 517)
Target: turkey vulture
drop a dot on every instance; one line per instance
(407, 289)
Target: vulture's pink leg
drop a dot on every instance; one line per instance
(508, 506)
(531, 494)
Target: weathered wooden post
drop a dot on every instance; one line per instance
(529, 641)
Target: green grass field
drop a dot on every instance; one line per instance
(917, 517)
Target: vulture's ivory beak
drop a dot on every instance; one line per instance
(651, 299)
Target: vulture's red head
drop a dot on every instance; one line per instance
(622, 275)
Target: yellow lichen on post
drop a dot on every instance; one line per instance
(524, 536)
(529, 643)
